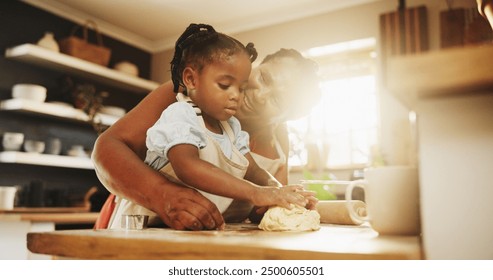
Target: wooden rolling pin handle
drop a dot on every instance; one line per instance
(336, 212)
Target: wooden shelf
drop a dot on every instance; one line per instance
(53, 110)
(40, 210)
(52, 217)
(441, 73)
(46, 160)
(39, 56)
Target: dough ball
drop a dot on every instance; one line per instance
(296, 219)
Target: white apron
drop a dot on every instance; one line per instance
(236, 166)
(271, 165)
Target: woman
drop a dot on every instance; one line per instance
(283, 87)
(119, 152)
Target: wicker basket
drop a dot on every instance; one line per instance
(81, 48)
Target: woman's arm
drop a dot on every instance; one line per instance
(118, 159)
(485, 8)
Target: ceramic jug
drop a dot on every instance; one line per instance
(48, 42)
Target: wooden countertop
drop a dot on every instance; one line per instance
(237, 241)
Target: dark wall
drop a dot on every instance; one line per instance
(21, 23)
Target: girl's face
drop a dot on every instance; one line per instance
(219, 87)
(272, 89)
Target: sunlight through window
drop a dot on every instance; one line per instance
(342, 128)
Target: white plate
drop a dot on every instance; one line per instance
(113, 111)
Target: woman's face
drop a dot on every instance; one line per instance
(272, 88)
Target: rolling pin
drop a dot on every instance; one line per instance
(336, 212)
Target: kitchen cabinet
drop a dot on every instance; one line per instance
(451, 92)
(54, 111)
(66, 179)
(47, 59)
(441, 74)
(16, 225)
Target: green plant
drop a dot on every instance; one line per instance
(90, 101)
(323, 190)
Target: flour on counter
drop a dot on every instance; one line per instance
(295, 219)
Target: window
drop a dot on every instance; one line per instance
(342, 128)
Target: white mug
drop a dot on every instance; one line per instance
(54, 146)
(12, 141)
(392, 200)
(7, 197)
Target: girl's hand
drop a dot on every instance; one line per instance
(259, 211)
(284, 197)
(311, 199)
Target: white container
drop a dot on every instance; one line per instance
(113, 111)
(7, 197)
(127, 67)
(48, 42)
(32, 146)
(29, 92)
(77, 151)
(54, 146)
(12, 141)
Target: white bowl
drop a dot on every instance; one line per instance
(113, 111)
(12, 141)
(127, 67)
(32, 146)
(29, 92)
(77, 151)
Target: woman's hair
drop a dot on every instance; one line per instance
(306, 90)
(200, 45)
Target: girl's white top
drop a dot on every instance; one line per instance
(179, 124)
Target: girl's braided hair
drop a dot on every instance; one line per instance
(200, 45)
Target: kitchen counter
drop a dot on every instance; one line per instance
(237, 241)
(17, 223)
(451, 92)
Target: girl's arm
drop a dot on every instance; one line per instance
(259, 175)
(262, 177)
(282, 174)
(207, 177)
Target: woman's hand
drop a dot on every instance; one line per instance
(185, 208)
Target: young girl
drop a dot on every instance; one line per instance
(198, 141)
